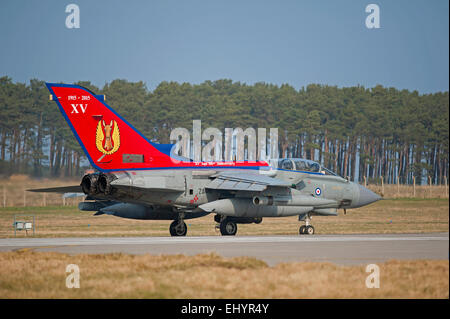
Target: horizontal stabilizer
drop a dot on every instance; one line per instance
(62, 189)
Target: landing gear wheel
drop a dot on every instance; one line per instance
(228, 228)
(309, 230)
(178, 228)
(302, 230)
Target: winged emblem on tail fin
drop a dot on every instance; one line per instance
(107, 138)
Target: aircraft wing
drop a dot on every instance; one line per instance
(238, 181)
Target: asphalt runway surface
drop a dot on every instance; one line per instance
(340, 249)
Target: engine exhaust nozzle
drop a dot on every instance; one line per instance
(89, 184)
(104, 183)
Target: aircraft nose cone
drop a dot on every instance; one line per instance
(366, 196)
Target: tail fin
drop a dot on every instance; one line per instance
(108, 140)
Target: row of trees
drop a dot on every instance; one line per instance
(354, 131)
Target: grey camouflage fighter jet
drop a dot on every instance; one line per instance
(139, 179)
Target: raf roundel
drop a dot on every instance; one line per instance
(318, 191)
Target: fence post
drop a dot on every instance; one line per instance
(24, 198)
(446, 190)
(429, 181)
(414, 186)
(365, 182)
(398, 186)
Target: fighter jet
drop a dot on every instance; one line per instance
(140, 179)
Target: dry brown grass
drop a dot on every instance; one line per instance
(28, 274)
(391, 191)
(13, 192)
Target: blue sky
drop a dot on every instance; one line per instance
(295, 42)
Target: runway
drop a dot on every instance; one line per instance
(340, 249)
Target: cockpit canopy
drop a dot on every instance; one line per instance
(300, 164)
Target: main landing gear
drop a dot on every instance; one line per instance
(227, 226)
(306, 229)
(178, 228)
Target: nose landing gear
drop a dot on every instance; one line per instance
(306, 229)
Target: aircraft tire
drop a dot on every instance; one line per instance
(228, 228)
(309, 230)
(302, 230)
(178, 230)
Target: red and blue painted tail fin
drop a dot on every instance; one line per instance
(113, 144)
(109, 141)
